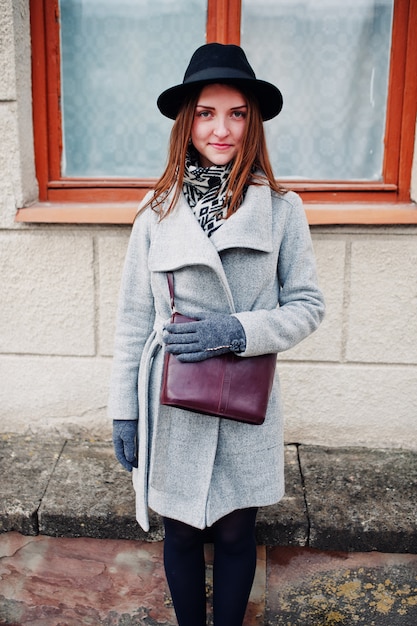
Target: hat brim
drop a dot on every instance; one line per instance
(269, 97)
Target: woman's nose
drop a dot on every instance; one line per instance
(221, 129)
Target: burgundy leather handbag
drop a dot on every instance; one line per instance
(227, 385)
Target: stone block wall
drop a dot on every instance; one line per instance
(354, 382)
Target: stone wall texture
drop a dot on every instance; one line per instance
(354, 382)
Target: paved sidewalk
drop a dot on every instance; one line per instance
(47, 581)
(340, 549)
(336, 498)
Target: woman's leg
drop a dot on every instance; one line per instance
(234, 566)
(185, 571)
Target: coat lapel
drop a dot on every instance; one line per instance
(179, 240)
(251, 226)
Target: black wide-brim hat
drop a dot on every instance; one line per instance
(226, 64)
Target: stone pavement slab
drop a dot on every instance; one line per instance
(307, 587)
(336, 498)
(286, 523)
(48, 581)
(360, 498)
(74, 582)
(26, 466)
(91, 495)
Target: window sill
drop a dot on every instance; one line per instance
(318, 214)
(78, 213)
(322, 214)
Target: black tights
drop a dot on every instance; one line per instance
(234, 566)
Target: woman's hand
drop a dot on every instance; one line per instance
(210, 335)
(125, 442)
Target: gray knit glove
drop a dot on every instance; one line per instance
(211, 335)
(125, 434)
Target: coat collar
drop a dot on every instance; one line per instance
(251, 225)
(178, 240)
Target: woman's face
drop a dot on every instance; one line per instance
(219, 124)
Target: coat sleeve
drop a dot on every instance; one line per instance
(301, 304)
(134, 323)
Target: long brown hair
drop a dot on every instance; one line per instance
(251, 165)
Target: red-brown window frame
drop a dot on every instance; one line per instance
(114, 200)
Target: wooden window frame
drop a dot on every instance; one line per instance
(93, 200)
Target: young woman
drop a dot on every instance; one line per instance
(240, 250)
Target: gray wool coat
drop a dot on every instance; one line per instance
(258, 266)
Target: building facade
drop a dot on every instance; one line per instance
(353, 383)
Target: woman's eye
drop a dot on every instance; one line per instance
(204, 114)
(239, 114)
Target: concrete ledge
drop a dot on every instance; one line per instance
(354, 499)
(26, 467)
(361, 499)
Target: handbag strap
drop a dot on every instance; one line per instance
(170, 279)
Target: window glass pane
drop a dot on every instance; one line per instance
(330, 58)
(117, 56)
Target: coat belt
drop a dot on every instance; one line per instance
(158, 328)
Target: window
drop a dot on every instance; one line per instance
(116, 58)
(347, 71)
(331, 60)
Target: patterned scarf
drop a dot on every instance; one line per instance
(205, 191)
